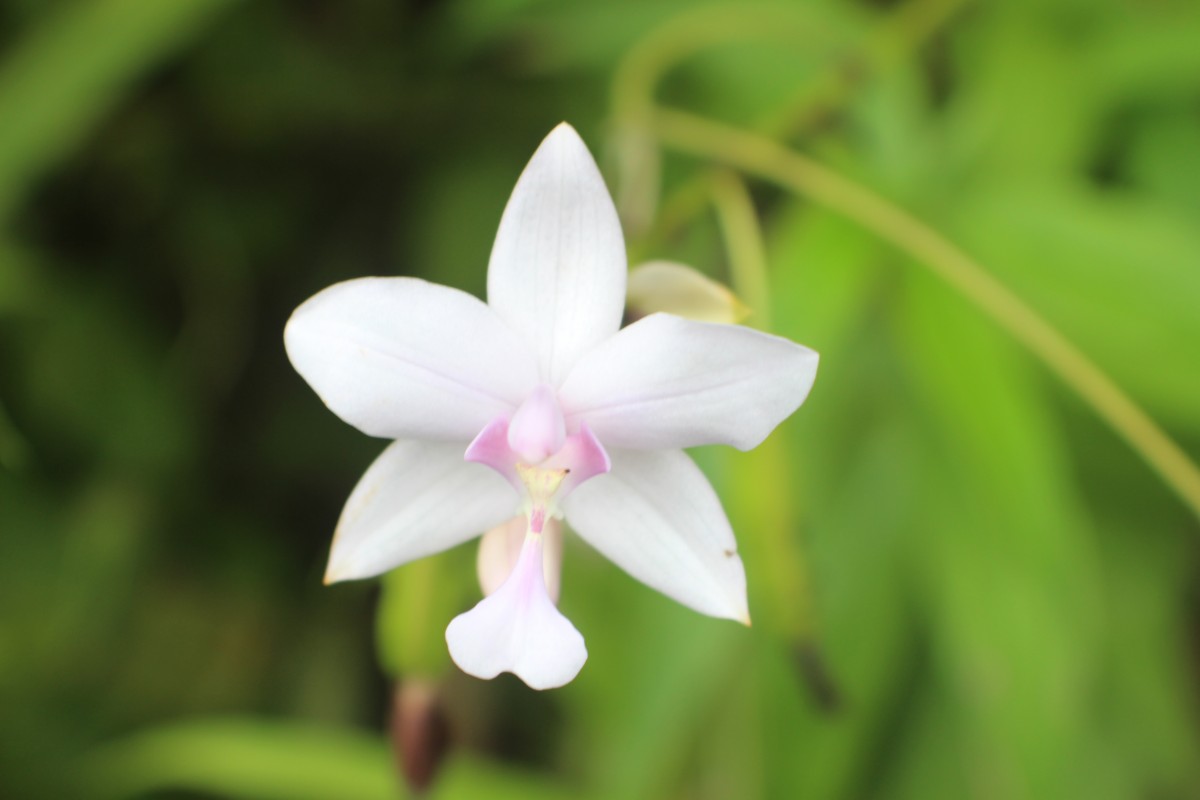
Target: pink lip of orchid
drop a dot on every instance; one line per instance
(538, 404)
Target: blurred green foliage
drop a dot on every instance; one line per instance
(963, 584)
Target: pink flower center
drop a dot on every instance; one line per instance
(534, 453)
(537, 430)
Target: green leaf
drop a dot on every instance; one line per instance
(244, 758)
(1115, 272)
(62, 79)
(1008, 564)
(471, 778)
(417, 603)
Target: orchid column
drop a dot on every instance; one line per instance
(539, 405)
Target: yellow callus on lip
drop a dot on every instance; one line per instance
(542, 484)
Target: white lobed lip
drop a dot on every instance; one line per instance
(518, 629)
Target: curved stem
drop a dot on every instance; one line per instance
(744, 243)
(815, 100)
(644, 65)
(760, 156)
(643, 68)
(773, 514)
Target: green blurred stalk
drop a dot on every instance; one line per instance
(416, 602)
(646, 64)
(772, 515)
(744, 242)
(761, 156)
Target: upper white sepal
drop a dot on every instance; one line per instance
(557, 269)
(518, 629)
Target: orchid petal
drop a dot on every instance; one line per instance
(500, 549)
(666, 382)
(557, 270)
(491, 449)
(657, 517)
(518, 629)
(418, 498)
(583, 456)
(402, 358)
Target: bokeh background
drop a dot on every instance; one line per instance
(964, 583)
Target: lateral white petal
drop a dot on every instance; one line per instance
(667, 382)
(416, 499)
(657, 517)
(403, 358)
(557, 270)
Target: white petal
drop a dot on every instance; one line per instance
(657, 517)
(418, 498)
(666, 382)
(557, 271)
(402, 358)
(518, 629)
(682, 291)
(500, 548)
(491, 449)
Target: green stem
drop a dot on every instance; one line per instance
(744, 243)
(773, 514)
(760, 156)
(642, 69)
(647, 63)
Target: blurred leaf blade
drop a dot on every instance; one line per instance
(1007, 557)
(245, 758)
(963, 585)
(59, 82)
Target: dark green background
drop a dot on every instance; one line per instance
(963, 583)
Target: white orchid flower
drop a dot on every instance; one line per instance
(537, 404)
